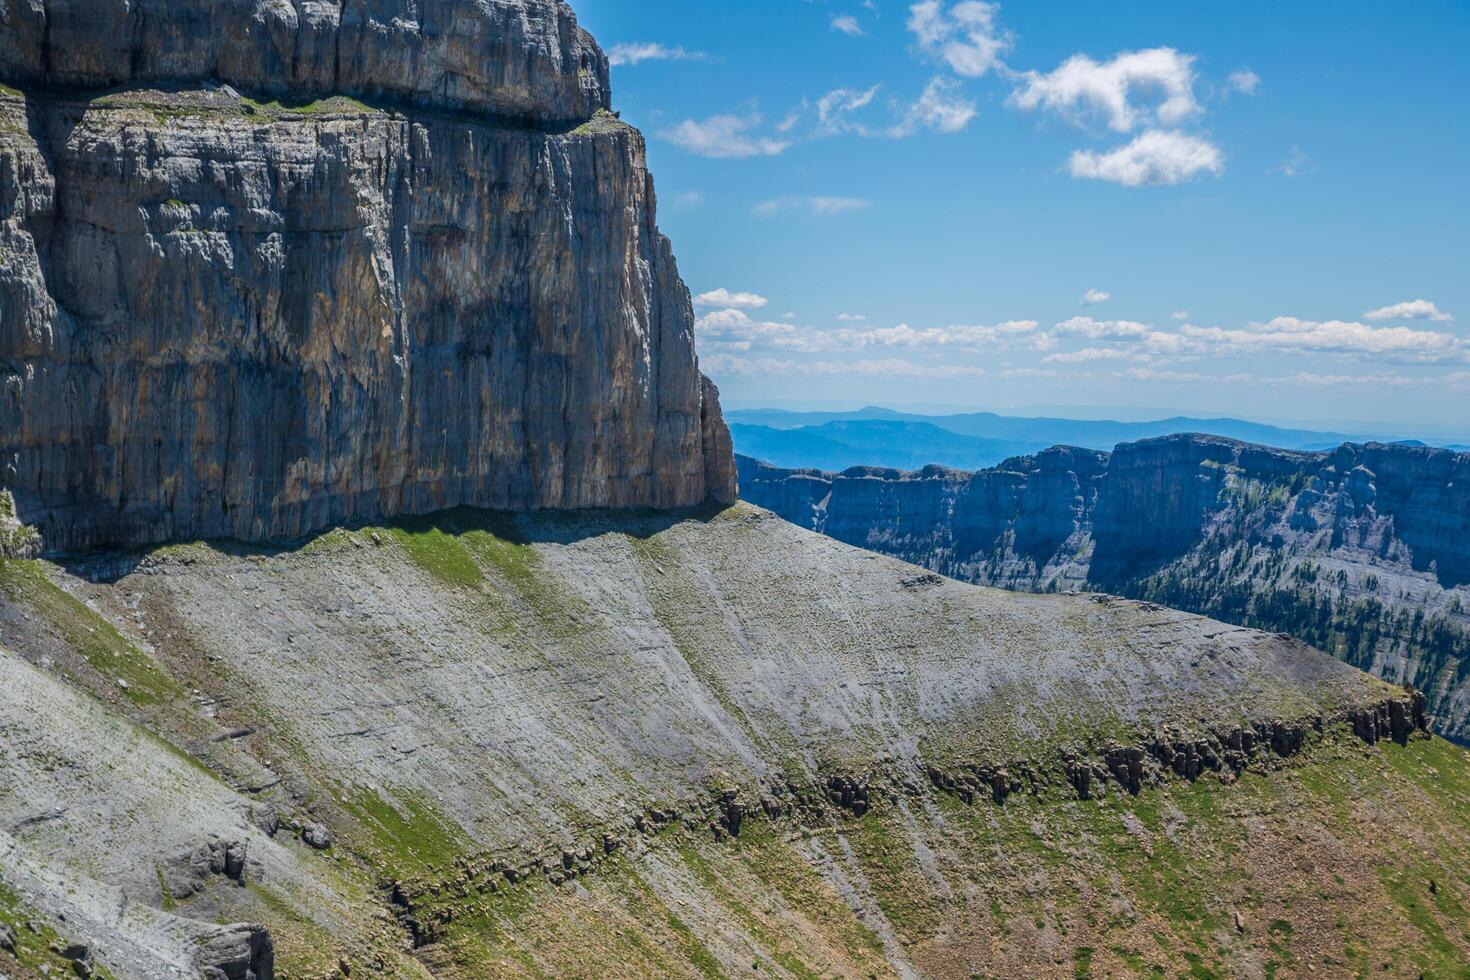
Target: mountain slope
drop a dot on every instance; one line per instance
(1360, 551)
(685, 744)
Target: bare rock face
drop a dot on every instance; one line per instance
(1364, 550)
(227, 318)
(520, 59)
(238, 952)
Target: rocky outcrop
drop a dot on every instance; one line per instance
(239, 952)
(230, 318)
(525, 60)
(1364, 550)
(1024, 522)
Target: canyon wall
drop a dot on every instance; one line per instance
(1363, 551)
(428, 276)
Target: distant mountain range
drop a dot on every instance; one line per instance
(882, 437)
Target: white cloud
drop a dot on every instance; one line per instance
(724, 298)
(1135, 88)
(967, 36)
(836, 109)
(851, 317)
(1290, 334)
(973, 337)
(1087, 327)
(734, 329)
(943, 108)
(1418, 309)
(1245, 81)
(817, 207)
(847, 25)
(724, 137)
(1089, 354)
(886, 369)
(1154, 158)
(1095, 296)
(635, 53)
(687, 201)
(1179, 315)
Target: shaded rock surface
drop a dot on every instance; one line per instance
(504, 701)
(224, 318)
(1364, 550)
(523, 59)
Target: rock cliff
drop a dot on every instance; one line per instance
(677, 745)
(1364, 550)
(525, 60)
(425, 274)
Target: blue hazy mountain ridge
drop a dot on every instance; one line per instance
(1027, 435)
(904, 445)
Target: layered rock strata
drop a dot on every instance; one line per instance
(224, 317)
(1364, 550)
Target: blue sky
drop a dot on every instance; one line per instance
(1254, 208)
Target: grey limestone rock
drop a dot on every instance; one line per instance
(1364, 541)
(317, 836)
(519, 59)
(238, 952)
(221, 323)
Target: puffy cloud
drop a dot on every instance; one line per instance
(633, 54)
(942, 107)
(1089, 354)
(1294, 335)
(1245, 81)
(734, 329)
(1095, 296)
(724, 298)
(973, 337)
(1154, 158)
(1090, 329)
(725, 137)
(1179, 315)
(847, 25)
(851, 317)
(1135, 88)
(1418, 309)
(817, 207)
(836, 109)
(966, 36)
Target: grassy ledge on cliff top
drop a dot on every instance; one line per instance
(497, 702)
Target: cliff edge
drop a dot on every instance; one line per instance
(402, 260)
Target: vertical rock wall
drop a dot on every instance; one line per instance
(221, 317)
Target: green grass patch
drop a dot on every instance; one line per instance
(89, 634)
(33, 949)
(406, 838)
(440, 554)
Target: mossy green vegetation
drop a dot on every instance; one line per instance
(404, 837)
(1200, 880)
(37, 942)
(119, 663)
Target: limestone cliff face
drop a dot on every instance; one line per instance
(227, 318)
(520, 59)
(1364, 550)
(1022, 524)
